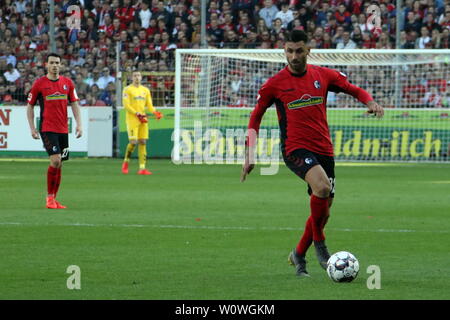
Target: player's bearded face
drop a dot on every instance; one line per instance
(296, 54)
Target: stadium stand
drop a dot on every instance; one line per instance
(150, 31)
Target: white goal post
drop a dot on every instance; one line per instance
(216, 89)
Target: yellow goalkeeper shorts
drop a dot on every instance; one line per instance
(137, 131)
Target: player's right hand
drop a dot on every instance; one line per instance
(142, 117)
(246, 169)
(35, 134)
(248, 165)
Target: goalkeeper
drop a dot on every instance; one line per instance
(136, 98)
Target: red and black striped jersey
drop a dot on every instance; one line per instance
(301, 101)
(53, 97)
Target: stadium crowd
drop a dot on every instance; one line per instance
(149, 31)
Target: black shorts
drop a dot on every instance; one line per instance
(301, 160)
(56, 143)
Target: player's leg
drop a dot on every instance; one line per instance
(142, 149)
(63, 139)
(305, 164)
(321, 188)
(51, 145)
(300, 161)
(132, 141)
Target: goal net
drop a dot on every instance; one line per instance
(216, 90)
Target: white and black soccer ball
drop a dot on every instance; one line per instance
(342, 267)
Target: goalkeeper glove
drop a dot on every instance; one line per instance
(158, 115)
(142, 117)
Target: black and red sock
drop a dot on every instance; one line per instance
(319, 213)
(52, 177)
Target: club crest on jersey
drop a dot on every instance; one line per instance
(317, 84)
(64, 87)
(305, 101)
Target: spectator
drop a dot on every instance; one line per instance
(7, 56)
(231, 40)
(338, 36)
(424, 39)
(342, 15)
(435, 39)
(445, 39)
(268, 13)
(277, 26)
(321, 14)
(431, 24)
(412, 23)
(285, 15)
(107, 94)
(162, 13)
(243, 25)
(346, 42)
(356, 36)
(40, 26)
(144, 15)
(11, 74)
(215, 33)
(363, 25)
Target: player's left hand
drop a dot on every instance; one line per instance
(79, 132)
(158, 115)
(375, 108)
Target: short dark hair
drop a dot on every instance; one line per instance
(53, 55)
(296, 36)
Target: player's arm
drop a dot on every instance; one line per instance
(126, 101)
(30, 117)
(32, 97)
(77, 115)
(264, 101)
(150, 107)
(340, 83)
(73, 100)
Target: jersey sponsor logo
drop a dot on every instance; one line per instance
(56, 96)
(317, 84)
(139, 98)
(305, 101)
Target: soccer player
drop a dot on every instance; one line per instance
(299, 92)
(135, 98)
(54, 93)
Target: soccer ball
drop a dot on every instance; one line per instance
(342, 267)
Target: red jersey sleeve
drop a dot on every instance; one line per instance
(264, 100)
(338, 82)
(72, 92)
(34, 93)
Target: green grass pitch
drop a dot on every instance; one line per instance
(196, 232)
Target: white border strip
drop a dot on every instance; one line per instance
(231, 228)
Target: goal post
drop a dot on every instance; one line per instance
(216, 90)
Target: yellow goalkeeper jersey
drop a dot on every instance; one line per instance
(136, 99)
